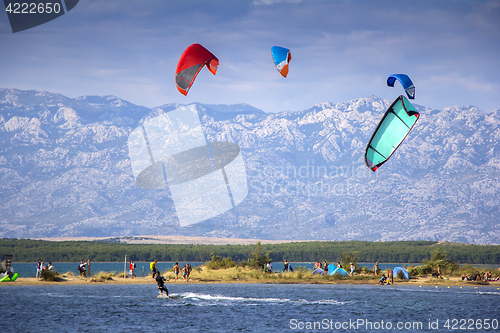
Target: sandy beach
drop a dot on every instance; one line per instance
(72, 280)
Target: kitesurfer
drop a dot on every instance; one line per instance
(160, 280)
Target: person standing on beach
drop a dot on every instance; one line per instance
(439, 275)
(131, 268)
(325, 266)
(177, 269)
(352, 269)
(285, 266)
(39, 268)
(376, 269)
(154, 269)
(83, 269)
(184, 273)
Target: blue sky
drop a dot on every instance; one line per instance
(341, 50)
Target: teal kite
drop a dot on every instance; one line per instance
(397, 122)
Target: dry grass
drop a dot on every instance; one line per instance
(249, 275)
(103, 276)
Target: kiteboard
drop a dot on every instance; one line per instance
(172, 296)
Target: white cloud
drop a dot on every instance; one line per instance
(340, 50)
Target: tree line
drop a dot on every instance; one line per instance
(27, 250)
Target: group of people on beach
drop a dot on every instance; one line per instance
(131, 267)
(326, 268)
(268, 267)
(40, 267)
(488, 276)
(186, 270)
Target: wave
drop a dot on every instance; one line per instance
(208, 299)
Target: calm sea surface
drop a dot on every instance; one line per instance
(249, 308)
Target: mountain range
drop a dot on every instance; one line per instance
(65, 171)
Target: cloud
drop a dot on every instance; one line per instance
(273, 2)
(340, 50)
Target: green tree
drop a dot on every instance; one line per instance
(347, 258)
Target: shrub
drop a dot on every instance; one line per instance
(218, 262)
(49, 275)
(349, 257)
(366, 270)
(257, 259)
(103, 276)
(419, 270)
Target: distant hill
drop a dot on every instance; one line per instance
(65, 171)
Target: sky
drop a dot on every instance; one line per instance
(341, 50)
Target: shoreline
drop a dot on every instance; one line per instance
(77, 280)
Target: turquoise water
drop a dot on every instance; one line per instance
(248, 308)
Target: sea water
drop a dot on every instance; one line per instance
(249, 308)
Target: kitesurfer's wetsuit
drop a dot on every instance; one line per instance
(161, 287)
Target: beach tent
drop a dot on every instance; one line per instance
(331, 268)
(339, 271)
(319, 271)
(396, 270)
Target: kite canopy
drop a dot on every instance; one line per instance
(281, 57)
(396, 270)
(397, 122)
(339, 271)
(319, 271)
(191, 62)
(405, 82)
